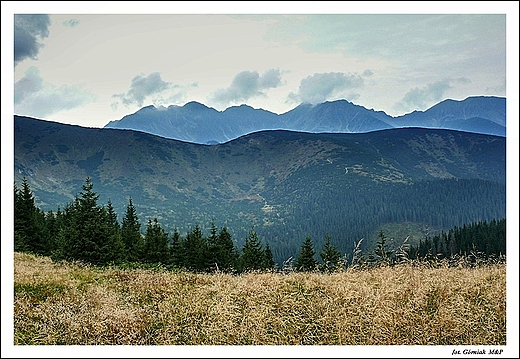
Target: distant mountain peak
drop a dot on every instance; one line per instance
(194, 105)
(242, 106)
(340, 101)
(146, 108)
(198, 123)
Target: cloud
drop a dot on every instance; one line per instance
(368, 73)
(142, 88)
(321, 87)
(29, 84)
(34, 97)
(246, 85)
(422, 98)
(71, 23)
(174, 97)
(270, 79)
(28, 31)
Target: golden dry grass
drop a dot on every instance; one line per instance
(71, 304)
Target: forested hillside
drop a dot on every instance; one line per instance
(286, 185)
(91, 233)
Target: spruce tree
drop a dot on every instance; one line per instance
(305, 261)
(253, 256)
(213, 250)
(131, 234)
(227, 254)
(269, 263)
(51, 230)
(92, 228)
(156, 248)
(330, 256)
(67, 233)
(53, 224)
(382, 255)
(43, 243)
(196, 250)
(27, 224)
(84, 231)
(177, 250)
(221, 250)
(113, 249)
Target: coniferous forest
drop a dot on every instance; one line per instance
(90, 232)
(285, 185)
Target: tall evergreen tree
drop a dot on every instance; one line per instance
(227, 254)
(213, 250)
(41, 243)
(269, 262)
(196, 250)
(90, 220)
(131, 234)
(85, 230)
(222, 254)
(27, 227)
(382, 255)
(452, 243)
(253, 256)
(330, 256)
(156, 244)
(305, 262)
(113, 248)
(177, 250)
(67, 233)
(20, 240)
(52, 227)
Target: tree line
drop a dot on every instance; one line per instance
(355, 211)
(486, 238)
(91, 233)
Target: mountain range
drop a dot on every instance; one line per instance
(197, 123)
(286, 184)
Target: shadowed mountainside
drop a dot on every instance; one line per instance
(287, 184)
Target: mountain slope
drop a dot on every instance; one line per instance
(287, 184)
(336, 116)
(198, 123)
(475, 114)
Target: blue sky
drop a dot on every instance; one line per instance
(89, 64)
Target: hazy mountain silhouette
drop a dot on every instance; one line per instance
(195, 122)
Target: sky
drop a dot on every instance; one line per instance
(88, 65)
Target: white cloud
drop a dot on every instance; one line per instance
(247, 85)
(37, 98)
(29, 84)
(321, 87)
(143, 87)
(152, 89)
(423, 98)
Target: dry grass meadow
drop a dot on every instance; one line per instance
(73, 304)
